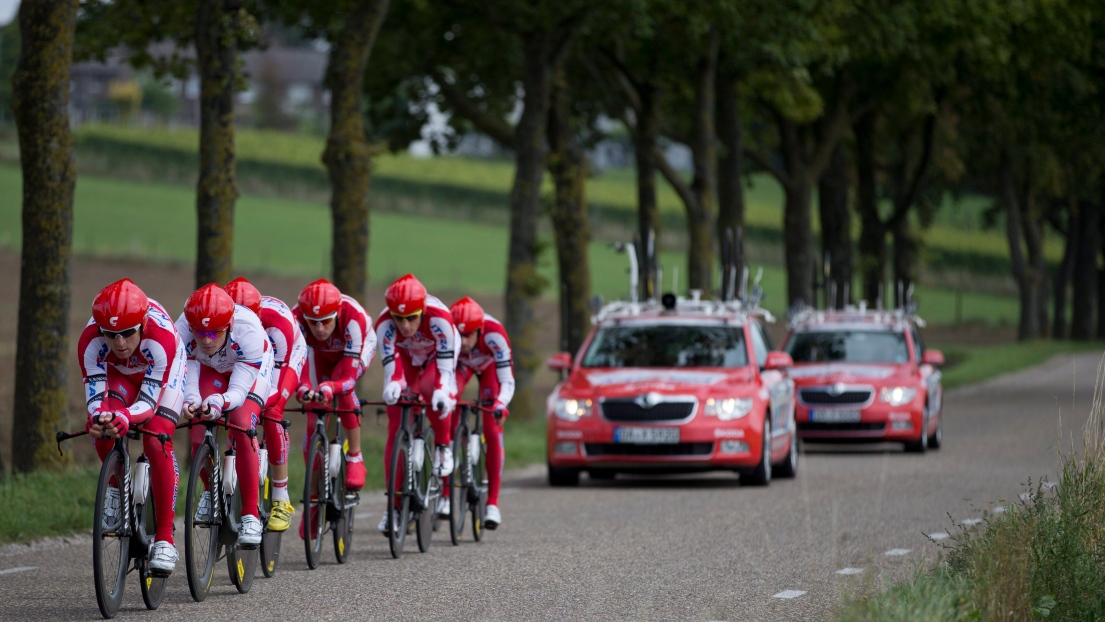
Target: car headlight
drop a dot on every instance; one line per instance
(729, 408)
(572, 409)
(896, 396)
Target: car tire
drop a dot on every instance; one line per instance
(937, 437)
(563, 477)
(788, 468)
(761, 475)
(601, 474)
(921, 445)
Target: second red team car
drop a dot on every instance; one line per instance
(865, 376)
(683, 386)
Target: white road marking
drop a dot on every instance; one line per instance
(789, 594)
(19, 569)
(897, 552)
(363, 515)
(849, 571)
(971, 521)
(939, 535)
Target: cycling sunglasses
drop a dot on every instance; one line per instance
(407, 318)
(320, 322)
(210, 334)
(125, 334)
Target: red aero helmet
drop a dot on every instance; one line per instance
(406, 296)
(467, 315)
(210, 308)
(319, 300)
(119, 306)
(244, 293)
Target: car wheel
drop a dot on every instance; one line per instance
(788, 468)
(563, 477)
(761, 475)
(937, 437)
(920, 445)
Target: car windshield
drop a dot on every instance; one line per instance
(675, 345)
(848, 346)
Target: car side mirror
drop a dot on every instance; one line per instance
(778, 360)
(561, 361)
(932, 357)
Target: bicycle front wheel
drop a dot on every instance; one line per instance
(343, 517)
(153, 587)
(270, 540)
(429, 491)
(458, 485)
(110, 539)
(241, 564)
(201, 531)
(399, 502)
(478, 492)
(314, 500)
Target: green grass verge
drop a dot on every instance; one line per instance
(968, 365)
(47, 503)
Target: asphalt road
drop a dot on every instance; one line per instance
(690, 548)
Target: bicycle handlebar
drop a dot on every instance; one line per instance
(133, 432)
(325, 410)
(498, 413)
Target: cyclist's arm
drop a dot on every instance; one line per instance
(446, 338)
(500, 348)
(387, 335)
(252, 361)
(92, 349)
(165, 349)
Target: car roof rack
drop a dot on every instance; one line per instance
(806, 316)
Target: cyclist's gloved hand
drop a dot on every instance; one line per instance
(304, 393)
(392, 391)
(442, 402)
(325, 392)
(214, 406)
(120, 422)
(499, 410)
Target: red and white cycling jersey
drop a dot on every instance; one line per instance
(289, 348)
(246, 356)
(492, 348)
(353, 337)
(435, 340)
(158, 363)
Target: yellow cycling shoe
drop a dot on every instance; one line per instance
(281, 517)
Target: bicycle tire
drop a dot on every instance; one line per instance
(201, 542)
(398, 501)
(479, 488)
(426, 482)
(270, 540)
(342, 541)
(314, 500)
(110, 565)
(153, 588)
(241, 564)
(458, 485)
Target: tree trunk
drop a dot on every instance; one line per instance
(836, 227)
(348, 156)
(906, 255)
(216, 190)
(872, 237)
(645, 140)
(797, 221)
(1026, 327)
(568, 167)
(1063, 272)
(1084, 275)
(730, 191)
(1033, 227)
(702, 212)
(523, 284)
(40, 102)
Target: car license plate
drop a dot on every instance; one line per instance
(647, 436)
(834, 416)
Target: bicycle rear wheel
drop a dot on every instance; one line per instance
(241, 564)
(110, 540)
(201, 537)
(270, 540)
(343, 517)
(458, 485)
(398, 501)
(427, 484)
(314, 500)
(153, 588)
(478, 492)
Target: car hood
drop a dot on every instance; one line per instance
(827, 373)
(618, 382)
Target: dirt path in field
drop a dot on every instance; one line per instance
(171, 284)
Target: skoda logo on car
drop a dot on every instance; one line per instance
(647, 400)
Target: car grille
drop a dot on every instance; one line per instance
(675, 449)
(841, 427)
(820, 396)
(624, 410)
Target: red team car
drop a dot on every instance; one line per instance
(865, 376)
(687, 385)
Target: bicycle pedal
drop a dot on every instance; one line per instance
(160, 574)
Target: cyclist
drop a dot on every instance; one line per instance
(229, 371)
(418, 330)
(133, 364)
(289, 352)
(484, 347)
(340, 345)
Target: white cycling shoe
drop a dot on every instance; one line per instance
(162, 558)
(443, 460)
(492, 519)
(383, 526)
(443, 506)
(203, 509)
(249, 534)
(110, 519)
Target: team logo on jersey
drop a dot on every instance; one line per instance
(218, 384)
(205, 321)
(114, 321)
